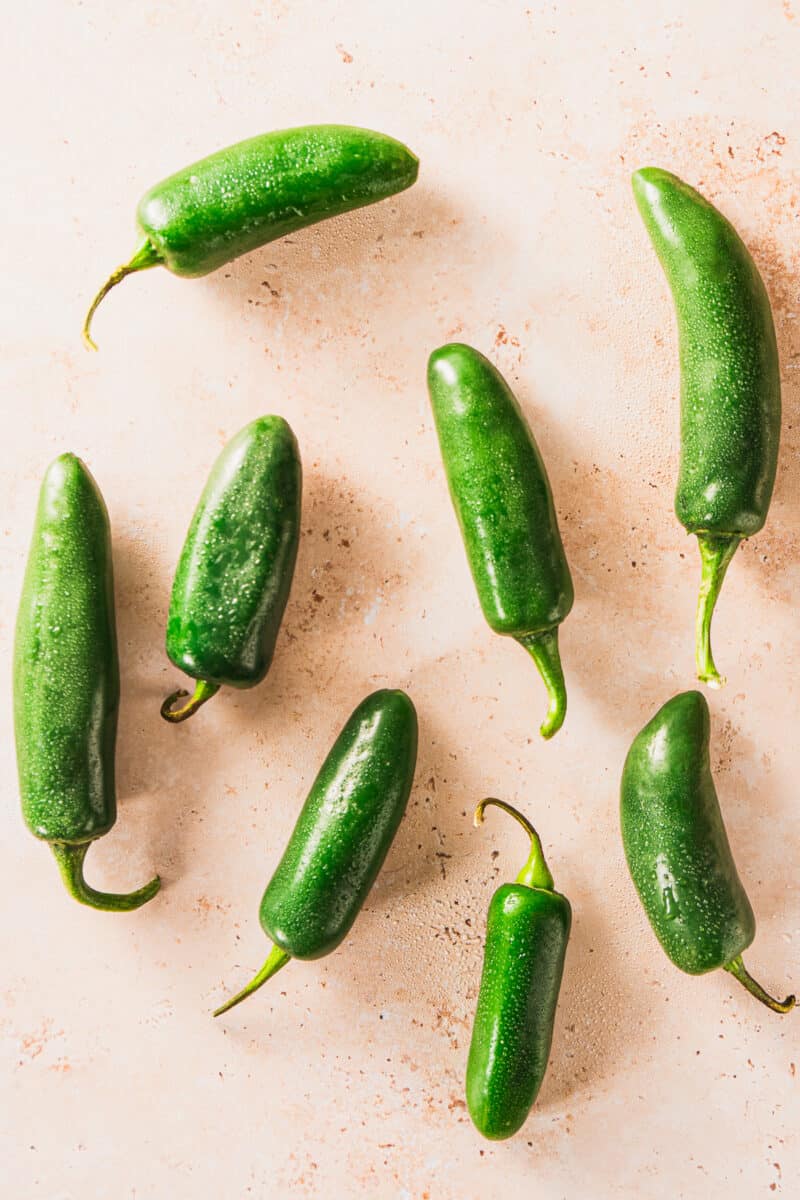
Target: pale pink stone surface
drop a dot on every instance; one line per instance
(345, 1078)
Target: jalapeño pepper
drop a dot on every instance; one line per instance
(730, 382)
(342, 835)
(527, 930)
(501, 494)
(236, 567)
(258, 190)
(677, 848)
(66, 679)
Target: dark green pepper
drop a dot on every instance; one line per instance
(66, 679)
(730, 382)
(342, 835)
(677, 849)
(527, 930)
(256, 191)
(499, 488)
(236, 567)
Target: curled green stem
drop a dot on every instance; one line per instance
(146, 256)
(70, 864)
(716, 553)
(203, 691)
(277, 958)
(738, 970)
(543, 649)
(535, 873)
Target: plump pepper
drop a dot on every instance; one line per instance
(677, 849)
(730, 382)
(501, 494)
(527, 930)
(66, 679)
(342, 835)
(236, 567)
(258, 190)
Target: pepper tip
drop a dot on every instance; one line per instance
(552, 722)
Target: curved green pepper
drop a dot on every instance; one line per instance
(527, 930)
(236, 567)
(730, 382)
(677, 849)
(342, 835)
(66, 679)
(258, 190)
(499, 488)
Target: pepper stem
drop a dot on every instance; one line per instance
(146, 256)
(535, 873)
(203, 690)
(543, 649)
(277, 958)
(715, 556)
(70, 864)
(740, 972)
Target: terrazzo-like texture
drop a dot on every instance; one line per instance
(346, 1076)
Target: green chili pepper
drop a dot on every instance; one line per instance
(236, 567)
(256, 191)
(730, 382)
(342, 835)
(499, 488)
(677, 849)
(527, 930)
(66, 679)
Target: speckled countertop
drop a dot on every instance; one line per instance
(345, 1078)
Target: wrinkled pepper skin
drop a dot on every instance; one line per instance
(502, 498)
(527, 930)
(677, 848)
(342, 835)
(66, 678)
(730, 380)
(235, 571)
(258, 190)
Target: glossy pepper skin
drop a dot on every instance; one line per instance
(677, 848)
(342, 835)
(730, 381)
(258, 190)
(235, 571)
(66, 679)
(501, 494)
(527, 931)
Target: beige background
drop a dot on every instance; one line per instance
(346, 1077)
